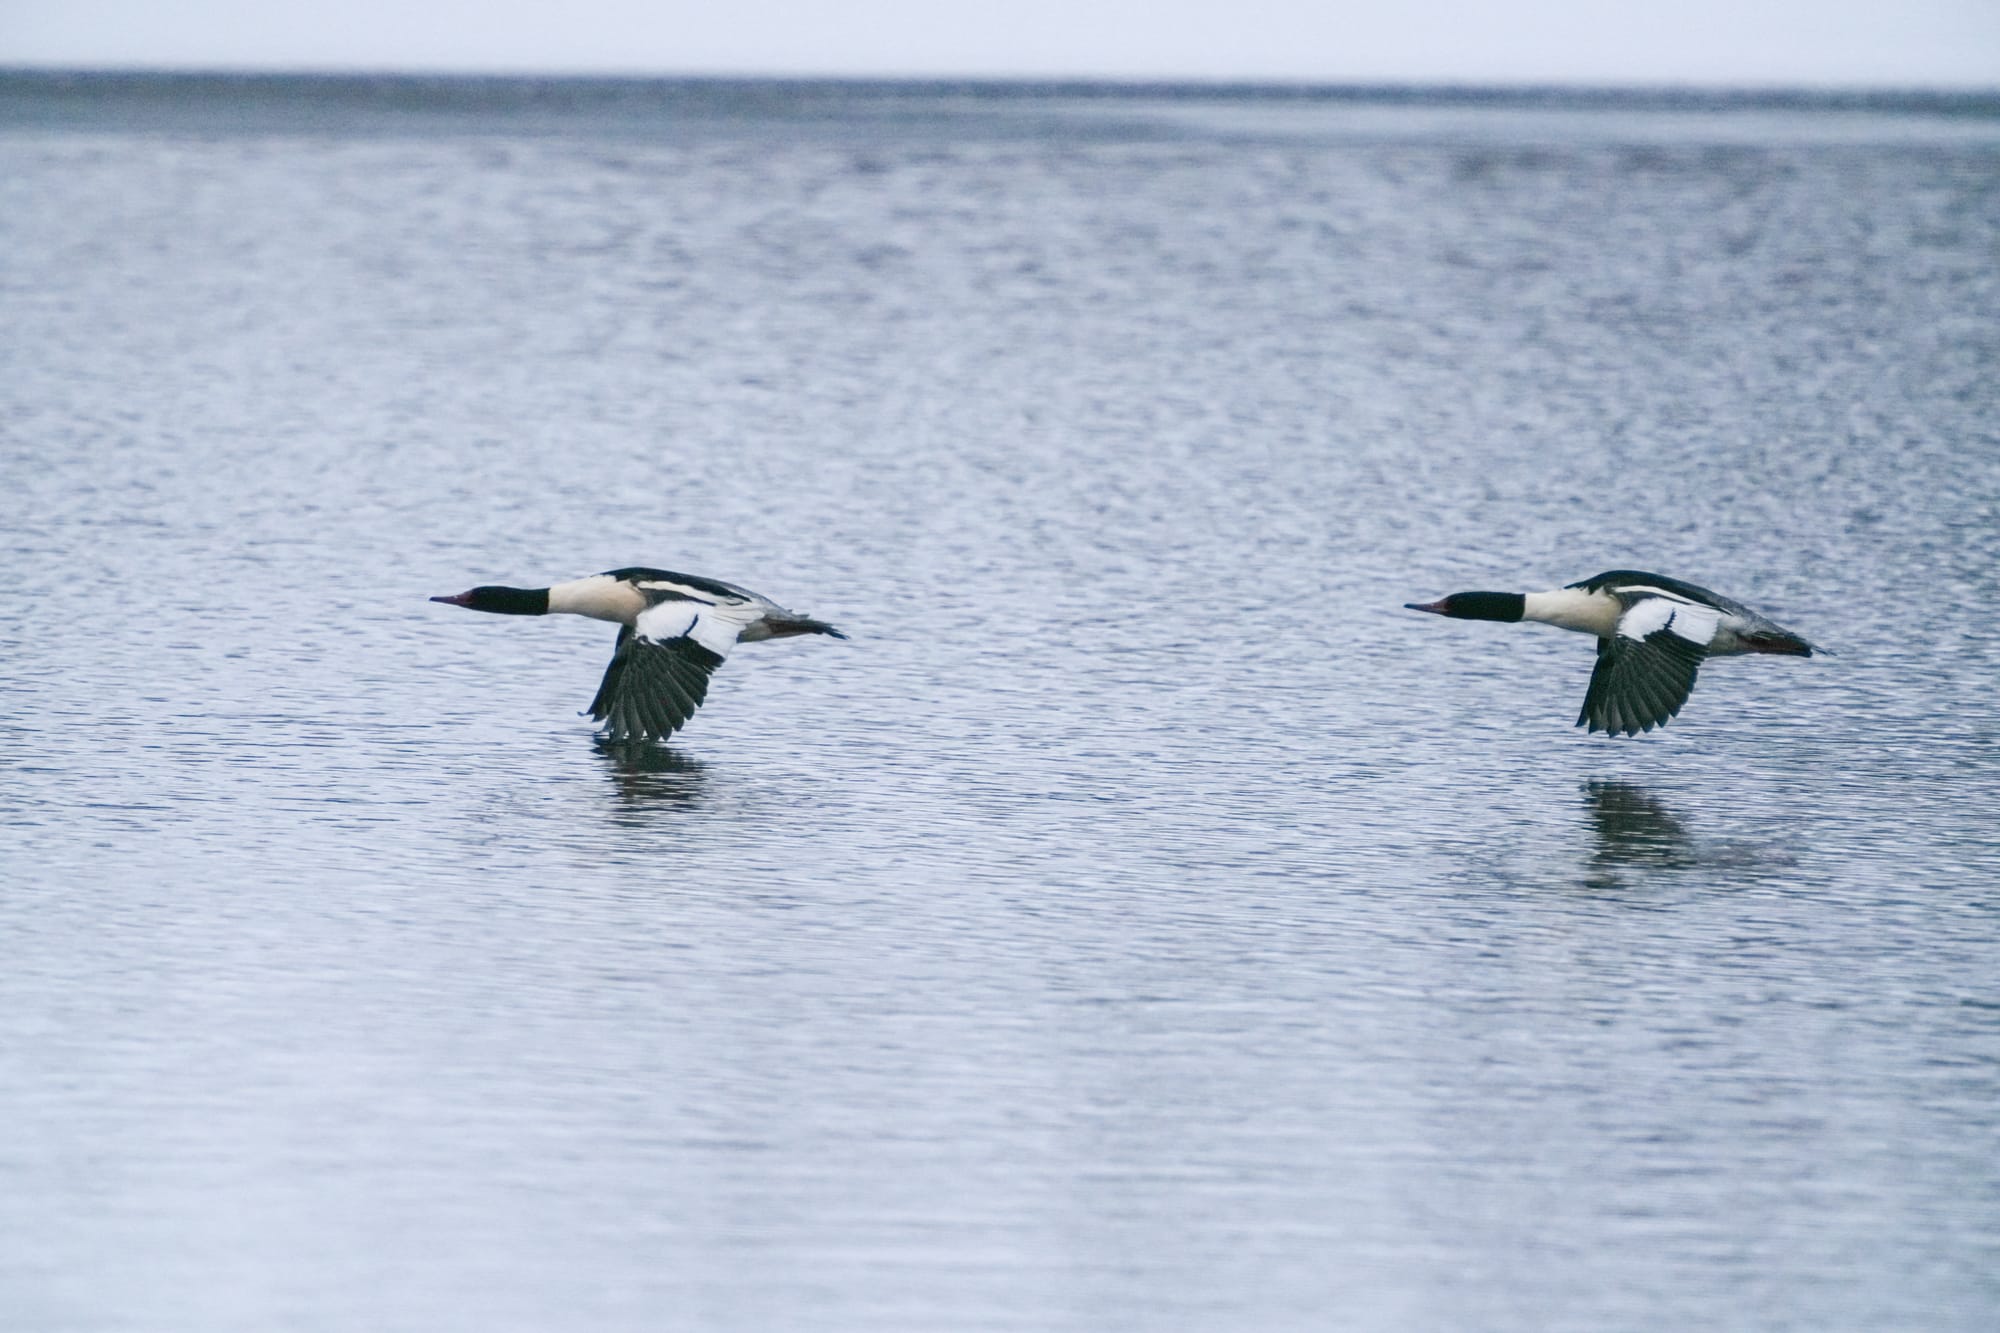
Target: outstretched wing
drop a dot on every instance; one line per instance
(1645, 671)
(659, 675)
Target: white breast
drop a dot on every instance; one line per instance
(600, 597)
(1579, 609)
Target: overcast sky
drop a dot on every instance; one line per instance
(1954, 43)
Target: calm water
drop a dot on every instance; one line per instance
(1143, 922)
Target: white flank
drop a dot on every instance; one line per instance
(1688, 620)
(713, 627)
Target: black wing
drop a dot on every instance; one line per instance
(1639, 683)
(1613, 580)
(652, 686)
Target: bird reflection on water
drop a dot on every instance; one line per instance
(1634, 830)
(649, 775)
(1635, 833)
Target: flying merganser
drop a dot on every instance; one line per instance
(675, 629)
(1652, 634)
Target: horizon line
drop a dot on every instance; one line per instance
(1467, 88)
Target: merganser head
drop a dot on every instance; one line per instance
(502, 601)
(1475, 606)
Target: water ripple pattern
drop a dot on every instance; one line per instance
(1142, 922)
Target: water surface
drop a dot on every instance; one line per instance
(1141, 922)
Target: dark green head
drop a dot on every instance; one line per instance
(1475, 606)
(502, 601)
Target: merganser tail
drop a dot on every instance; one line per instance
(1781, 642)
(788, 624)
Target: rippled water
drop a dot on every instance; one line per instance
(1142, 922)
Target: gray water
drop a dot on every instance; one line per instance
(1142, 922)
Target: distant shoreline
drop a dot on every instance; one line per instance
(488, 86)
(222, 101)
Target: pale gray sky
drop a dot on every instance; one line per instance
(1953, 43)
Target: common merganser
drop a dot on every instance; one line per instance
(675, 629)
(1652, 634)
